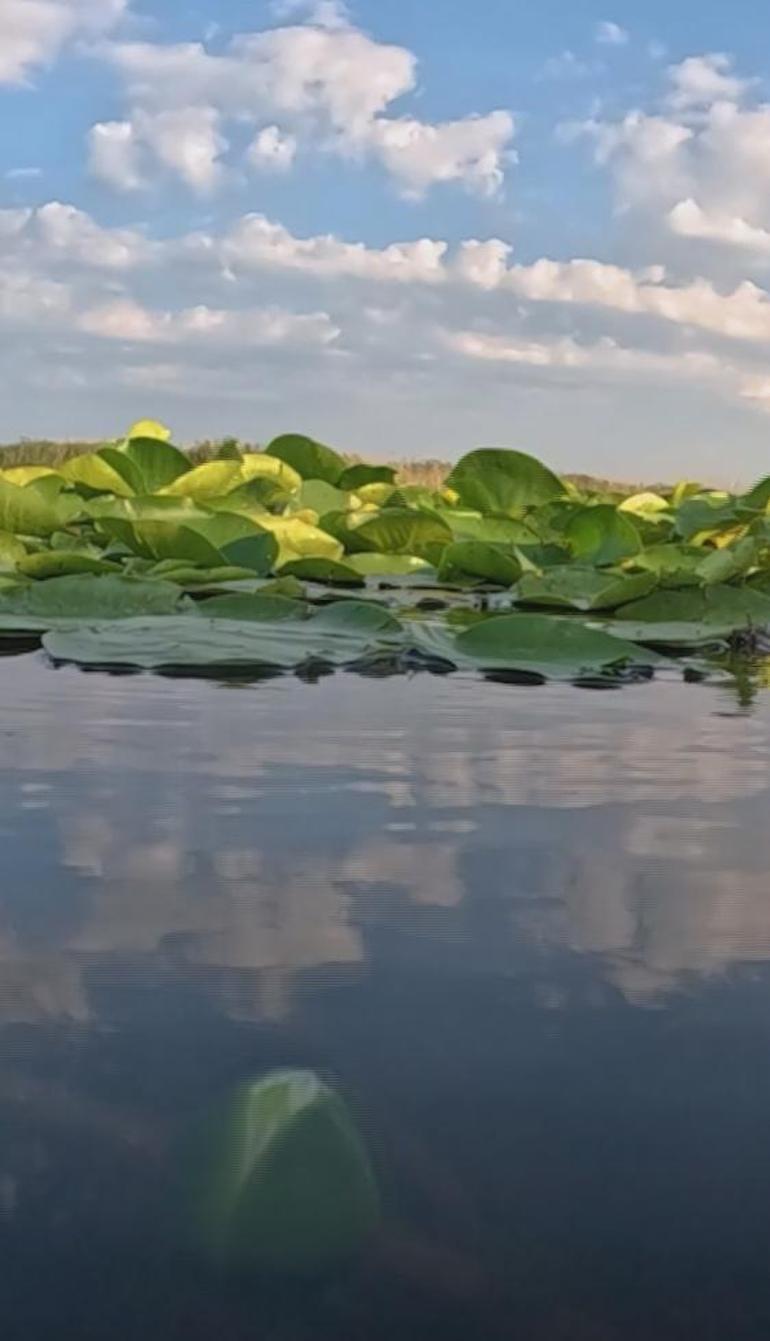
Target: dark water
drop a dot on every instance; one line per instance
(525, 932)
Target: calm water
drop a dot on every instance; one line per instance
(526, 932)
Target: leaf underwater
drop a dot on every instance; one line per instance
(278, 1179)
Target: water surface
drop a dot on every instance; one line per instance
(525, 931)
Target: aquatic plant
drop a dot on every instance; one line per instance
(134, 554)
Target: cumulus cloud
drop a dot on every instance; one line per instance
(687, 219)
(323, 83)
(257, 243)
(701, 80)
(61, 235)
(34, 32)
(419, 155)
(698, 164)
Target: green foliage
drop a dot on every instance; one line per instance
(99, 545)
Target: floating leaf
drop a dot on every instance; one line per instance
(182, 641)
(576, 588)
(62, 601)
(542, 645)
(242, 605)
(725, 608)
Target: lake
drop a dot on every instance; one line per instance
(525, 931)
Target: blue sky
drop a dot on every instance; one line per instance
(409, 229)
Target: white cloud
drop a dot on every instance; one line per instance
(609, 34)
(604, 355)
(325, 84)
(482, 263)
(687, 219)
(698, 166)
(185, 140)
(131, 322)
(57, 234)
(419, 155)
(23, 174)
(256, 243)
(742, 314)
(702, 80)
(115, 155)
(34, 32)
(272, 151)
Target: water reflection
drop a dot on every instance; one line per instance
(527, 930)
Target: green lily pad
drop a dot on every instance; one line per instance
(542, 645)
(63, 601)
(576, 588)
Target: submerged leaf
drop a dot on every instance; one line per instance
(279, 1177)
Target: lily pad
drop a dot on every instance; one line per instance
(184, 641)
(542, 645)
(576, 588)
(63, 601)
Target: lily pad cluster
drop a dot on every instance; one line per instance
(292, 557)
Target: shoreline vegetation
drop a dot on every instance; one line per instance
(429, 472)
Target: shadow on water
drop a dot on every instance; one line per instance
(522, 934)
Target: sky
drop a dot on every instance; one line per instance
(407, 230)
